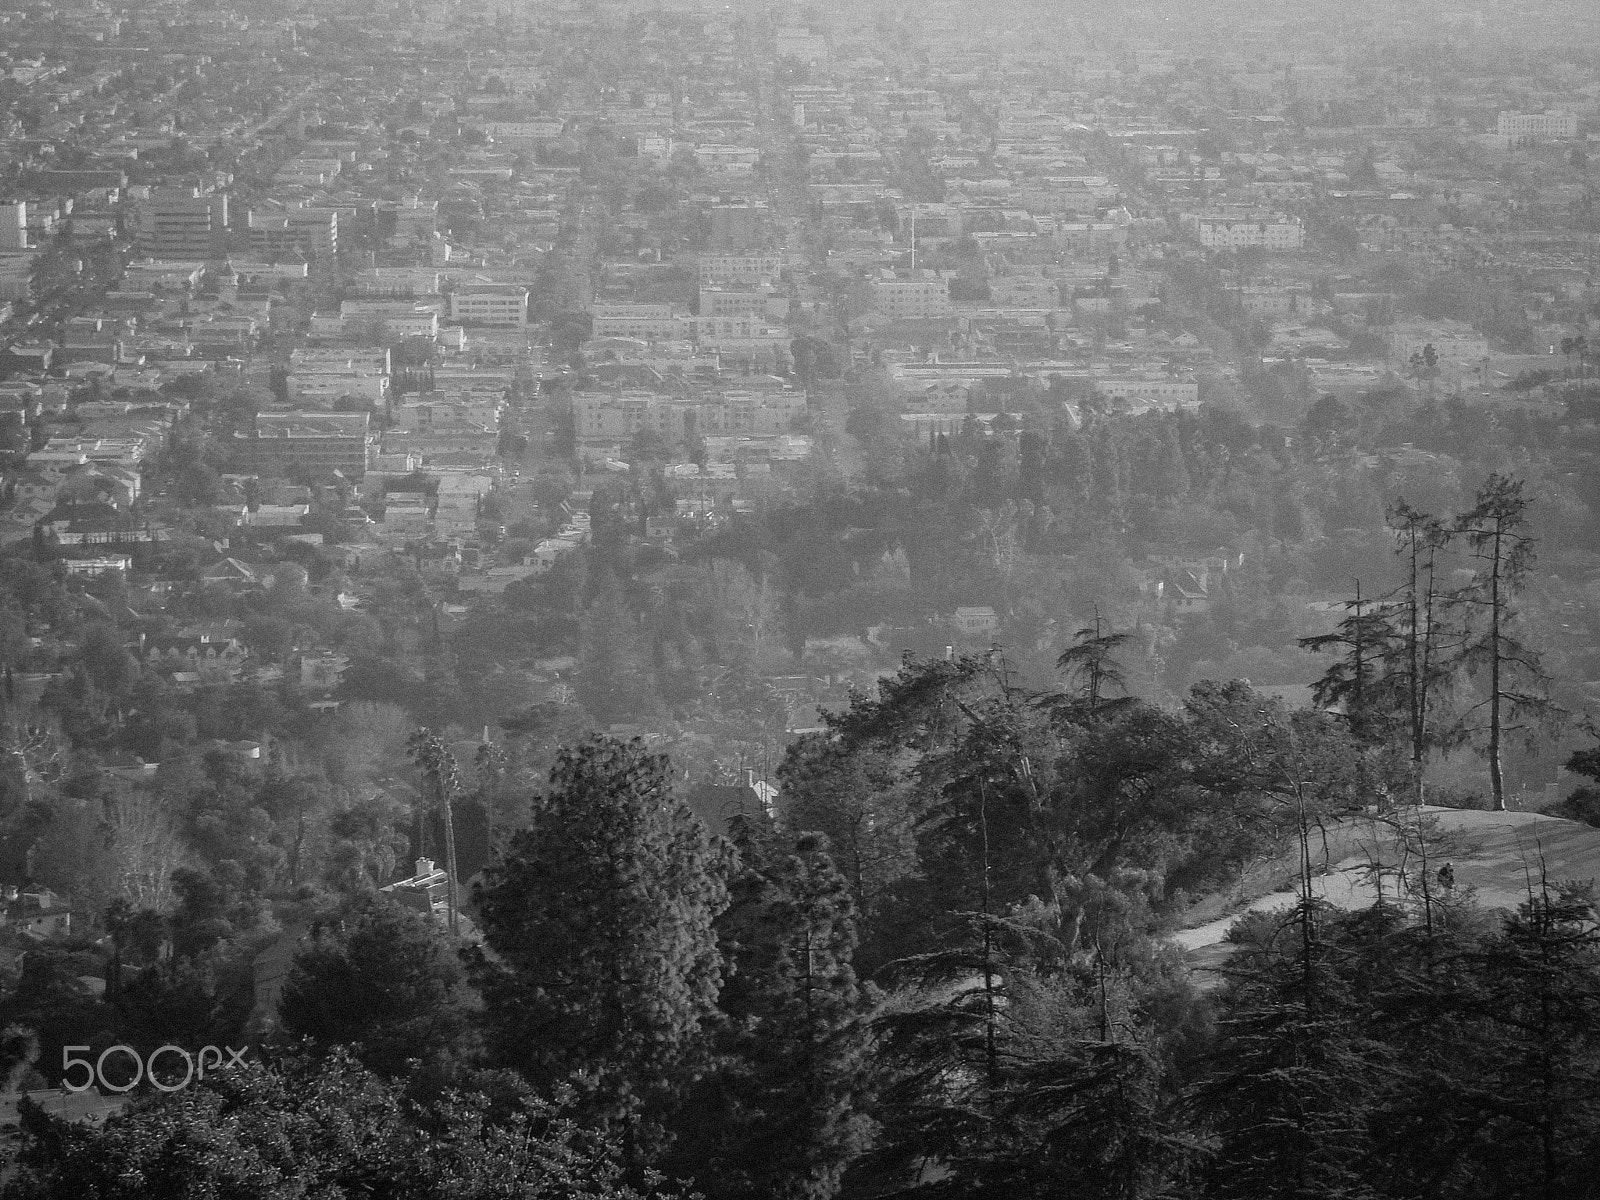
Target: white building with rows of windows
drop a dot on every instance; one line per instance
(923, 297)
(503, 304)
(1551, 124)
(1270, 231)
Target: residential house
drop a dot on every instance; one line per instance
(975, 620)
(40, 914)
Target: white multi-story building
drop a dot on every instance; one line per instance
(14, 225)
(1270, 231)
(309, 232)
(1550, 124)
(180, 223)
(729, 159)
(756, 414)
(648, 321)
(502, 304)
(546, 130)
(726, 302)
(599, 417)
(608, 418)
(739, 269)
(378, 320)
(309, 387)
(920, 298)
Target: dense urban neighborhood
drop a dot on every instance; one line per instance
(651, 599)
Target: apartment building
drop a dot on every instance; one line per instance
(727, 159)
(313, 441)
(727, 302)
(611, 417)
(1270, 231)
(650, 322)
(912, 298)
(616, 417)
(500, 304)
(1549, 124)
(16, 275)
(328, 386)
(1091, 239)
(753, 414)
(180, 223)
(397, 318)
(519, 135)
(307, 232)
(14, 225)
(739, 270)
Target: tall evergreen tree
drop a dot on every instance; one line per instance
(1499, 1091)
(777, 1119)
(1496, 530)
(1358, 681)
(1091, 667)
(1009, 1069)
(860, 785)
(386, 984)
(1420, 539)
(602, 968)
(1290, 1093)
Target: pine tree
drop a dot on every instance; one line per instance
(1009, 1069)
(944, 1055)
(1089, 1102)
(1286, 1089)
(1496, 529)
(1290, 1092)
(603, 968)
(1092, 669)
(384, 983)
(778, 1118)
(858, 785)
(1502, 1059)
(1358, 682)
(1420, 539)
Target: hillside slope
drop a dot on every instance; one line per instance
(1499, 856)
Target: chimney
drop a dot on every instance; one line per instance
(750, 778)
(424, 866)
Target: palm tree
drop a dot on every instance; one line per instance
(438, 767)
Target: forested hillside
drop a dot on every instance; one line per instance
(939, 968)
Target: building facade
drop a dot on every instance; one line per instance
(312, 441)
(1550, 124)
(1270, 231)
(501, 304)
(181, 223)
(920, 299)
